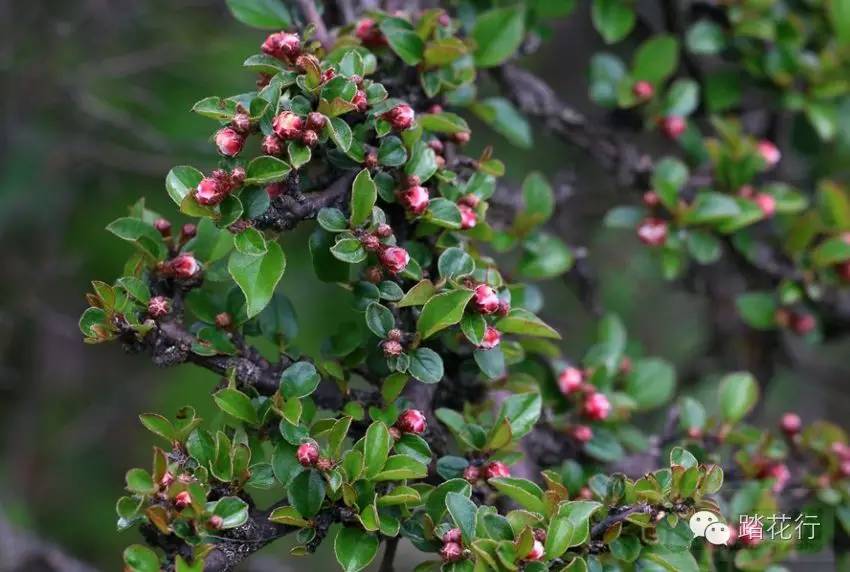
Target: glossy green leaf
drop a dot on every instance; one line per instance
(363, 196)
(257, 276)
(237, 404)
(442, 311)
(498, 34)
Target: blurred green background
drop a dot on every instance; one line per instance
(95, 110)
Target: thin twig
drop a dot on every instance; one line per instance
(308, 8)
(387, 563)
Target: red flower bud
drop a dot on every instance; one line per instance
(415, 199)
(401, 117)
(272, 145)
(802, 324)
(309, 138)
(166, 480)
(395, 434)
(395, 259)
(215, 522)
(673, 126)
(781, 475)
(435, 108)
(371, 160)
(412, 421)
(436, 145)
(368, 32)
(374, 274)
(651, 199)
(287, 125)
(843, 270)
(355, 79)
(324, 464)
(275, 190)
(328, 75)
(570, 380)
(504, 308)
(370, 242)
(209, 192)
(652, 231)
(392, 348)
(790, 424)
(453, 535)
(540, 534)
(316, 121)
(360, 101)
(643, 90)
(468, 217)
(582, 433)
(237, 176)
(395, 334)
(188, 231)
(492, 337)
(496, 469)
(159, 306)
(472, 473)
(182, 499)
(596, 407)
(184, 266)
(769, 152)
(484, 299)
(694, 432)
(241, 122)
(384, 230)
(766, 203)
(471, 200)
(223, 320)
(536, 552)
(163, 226)
(461, 137)
(451, 552)
(307, 454)
(282, 45)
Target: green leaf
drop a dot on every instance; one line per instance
(464, 512)
(250, 241)
(651, 383)
(420, 293)
(606, 73)
(426, 365)
(524, 492)
(299, 154)
(263, 14)
(299, 380)
(711, 207)
(538, 200)
(522, 412)
(140, 481)
(545, 256)
(705, 38)
(379, 319)
(181, 181)
(403, 40)
(422, 162)
(682, 98)
(739, 393)
(141, 234)
(558, 536)
(656, 59)
(289, 516)
(442, 311)
(455, 262)
(839, 17)
(332, 220)
(443, 122)
(307, 492)
(704, 246)
(443, 212)
(392, 153)
(831, 251)
(758, 309)
(232, 510)
(376, 447)
(521, 321)
(257, 276)
(237, 404)
(364, 193)
(435, 503)
(159, 425)
(400, 467)
(498, 34)
(339, 132)
(266, 169)
(579, 513)
(503, 117)
(613, 19)
(668, 178)
(140, 558)
(349, 250)
(354, 548)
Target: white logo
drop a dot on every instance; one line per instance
(707, 524)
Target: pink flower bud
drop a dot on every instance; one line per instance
(412, 421)
(188, 231)
(166, 480)
(209, 192)
(790, 424)
(484, 299)
(370, 242)
(310, 138)
(802, 324)
(395, 334)
(316, 121)
(368, 32)
(504, 308)
(184, 266)
(370, 161)
(415, 199)
(275, 190)
(324, 464)
(163, 226)
(237, 176)
(282, 45)
(651, 199)
(360, 101)
(492, 337)
(472, 473)
(307, 454)
(536, 552)
(766, 203)
(462, 137)
(582, 433)
(570, 380)
(643, 90)
(159, 306)
(272, 145)
(596, 407)
(384, 230)
(223, 320)
(401, 117)
(395, 259)
(241, 122)
(673, 126)
(287, 125)
(215, 522)
(471, 200)
(374, 274)
(769, 152)
(392, 348)
(182, 499)
(496, 469)
(451, 552)
(844, 468)
(781, 474)
(453, 535)
(436, 145)
(652, 232)
(229, 141)
(540, 534)
(468, 217)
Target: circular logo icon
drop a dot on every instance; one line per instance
(717, 533)
(702, 520)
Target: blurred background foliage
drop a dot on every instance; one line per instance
(95, 110)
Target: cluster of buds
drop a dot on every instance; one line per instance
(183, 267)
(307, 455)
(595, 405)
(401, 117)
(415, 197)
(673, 126)
(392, 346)
(652, 231)
(468, 216)
(494, 469)
(215, 188)
(368, 32)
(485, 300)
(159, 306)
(799, 322)
(452, 549)
(283, 46)
(842, 451)
(411, 421)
